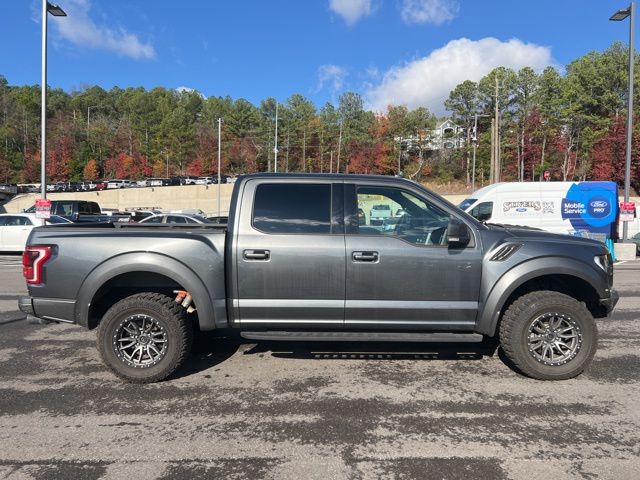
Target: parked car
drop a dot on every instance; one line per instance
(204, 181)
(379, 213)
(16, 227)
(119, 183)
(83, 211)
(188, 180)
(87, 185)
(221, 220)
(292, 259)
(157, 182)
(636, 239)
(175, 218)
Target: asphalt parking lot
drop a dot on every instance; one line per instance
(304, 411)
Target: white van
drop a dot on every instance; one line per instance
(574, 208)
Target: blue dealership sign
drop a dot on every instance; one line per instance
(591, 207)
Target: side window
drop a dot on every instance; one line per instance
(83, 208)
(157, 219)
(292, 208)
(482, 211)
(176, 219)
(401, 214)
(3, 221)
(94, 208)
(64, 208)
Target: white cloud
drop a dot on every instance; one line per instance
(351, 10)
(80, 29)
(331, 75)
(429, 11)
(427, 81)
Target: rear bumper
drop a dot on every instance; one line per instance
(610, 302)
(25, 304)
(53, 309)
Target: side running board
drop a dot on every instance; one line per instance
(278, 335)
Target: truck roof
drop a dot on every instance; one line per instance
(326, 176)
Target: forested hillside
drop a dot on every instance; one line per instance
(569, 121)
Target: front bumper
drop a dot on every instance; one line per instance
(610, 302)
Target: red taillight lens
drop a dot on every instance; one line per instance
(33, 260)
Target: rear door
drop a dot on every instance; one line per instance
(290, 254)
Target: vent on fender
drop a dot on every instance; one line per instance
(505, 251)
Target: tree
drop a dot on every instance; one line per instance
(91, 171)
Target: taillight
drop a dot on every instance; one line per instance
(33, 260)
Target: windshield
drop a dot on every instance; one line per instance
(467, 203)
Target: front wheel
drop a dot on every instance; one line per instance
(145, 338)
(548, 335)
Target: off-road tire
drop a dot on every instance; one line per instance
(522, 313)
(169, 315)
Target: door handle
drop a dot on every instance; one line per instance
(365, 256)
(256, 254)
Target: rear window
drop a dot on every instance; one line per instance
(63, 208)
(293, 208)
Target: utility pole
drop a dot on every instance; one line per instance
(496, 156)
(339, 145)
(331, 161)
(475, 147)
(219, 176)
(89, 116)
(275, 142)
(493, 151)
(287, 158)
(399, 156)
(304, 149)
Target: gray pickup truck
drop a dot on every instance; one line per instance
(295, 262)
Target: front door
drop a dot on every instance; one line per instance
(401, 272)
(290, 254)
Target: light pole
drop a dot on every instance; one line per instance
(219, 176)
(475, 147)
(56, 11)
(620, 15)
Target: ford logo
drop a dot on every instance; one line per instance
(521, 209)
(598, 204)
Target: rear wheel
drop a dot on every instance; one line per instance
(144, 338)
(548, 335)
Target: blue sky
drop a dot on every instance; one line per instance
(390, 51)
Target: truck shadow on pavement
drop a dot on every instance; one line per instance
(375, 350)
(211, 349)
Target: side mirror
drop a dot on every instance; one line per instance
(458, 234)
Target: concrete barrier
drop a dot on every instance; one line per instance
(204, 197)
(625, 251)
